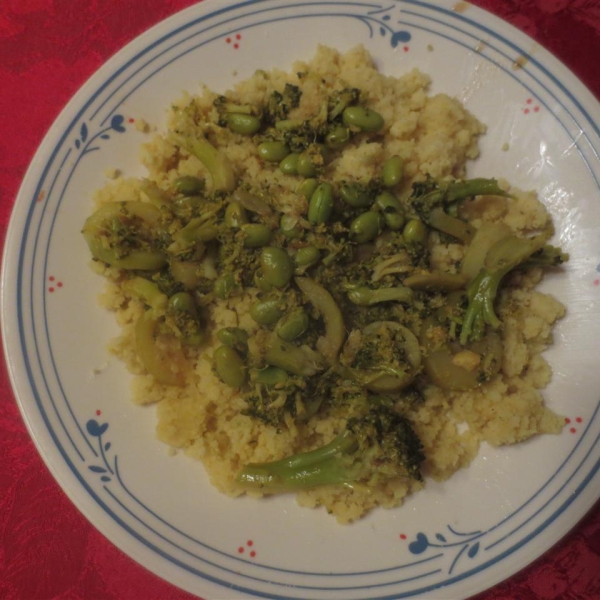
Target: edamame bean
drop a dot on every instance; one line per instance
(307, 256)
(266, 312)
(355, 195)
(365, 227)
(273, 151)
(256, 235)
(415, 232)
(392, 171)
(307, 188)
(243, 123)
(337, 137)
(292, 325)
(182, 301)
(272, 376)
(321, 204)
(289, 165)
(363, 118)
(260, 282)
(391, 209)
(188, 185)
(235, 215)
(224, 286)
(305, 166)
(276, 266)
(235, 337)
(229, 366)
(290, 227)
(181, 306)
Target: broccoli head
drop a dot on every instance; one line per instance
(280, 104)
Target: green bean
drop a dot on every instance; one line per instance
(392, 210)
(235, 337)
(392, 171)
(266, 312)
(243, 124)
(272, 376)
(235, 215)
(224, 286)
(364, 296)
(229, 366)
(188, 185)
(337, 137)
(290, 227)
(365, 227)
(321, 204)
(292, 325)
(260, 282)
(307, 188)
(273, 151)
(363, 118)
(256, 235)
(437, 281)
(276, 266)
(355, 195)
(289, 165)
(307, 257)
(415, 232)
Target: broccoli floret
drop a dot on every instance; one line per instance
(280, 104)
(507, 254)
(269, 404)
(227, 107)
(340, 100)
(377, 446)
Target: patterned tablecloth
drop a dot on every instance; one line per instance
(48, 48)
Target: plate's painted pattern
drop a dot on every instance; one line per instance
(89, 144)
(446, 558)
(106, 470)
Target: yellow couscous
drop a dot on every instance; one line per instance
(434, 137)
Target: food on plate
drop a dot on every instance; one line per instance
(316, 297)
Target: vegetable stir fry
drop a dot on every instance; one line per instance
(349, 317)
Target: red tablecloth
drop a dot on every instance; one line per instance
(48, 48)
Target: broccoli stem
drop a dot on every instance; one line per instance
(325, 465)
(505, 255)
(217, 164)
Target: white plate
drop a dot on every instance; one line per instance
(450, 541)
